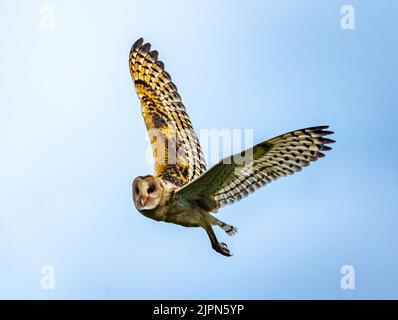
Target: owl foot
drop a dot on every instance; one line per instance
(230, 230)
(220, 247)
(223, 249)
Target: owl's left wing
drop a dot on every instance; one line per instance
(237, 176)
(176, 150)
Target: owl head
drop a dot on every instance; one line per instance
(147, 192)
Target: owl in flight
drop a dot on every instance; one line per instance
(182, 191)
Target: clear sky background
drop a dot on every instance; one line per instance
(72, 140)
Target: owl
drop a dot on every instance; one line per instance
(182, 191)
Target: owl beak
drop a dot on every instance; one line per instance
(142, 201)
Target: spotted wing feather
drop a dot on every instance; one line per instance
(176, 149)
(237, 176)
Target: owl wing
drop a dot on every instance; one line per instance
(176, 149)
(237, 176)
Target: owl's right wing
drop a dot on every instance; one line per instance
(237, 176)
(176, 149)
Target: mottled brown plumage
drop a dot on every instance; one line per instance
(181, 191)
(176, 149)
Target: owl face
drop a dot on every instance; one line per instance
(147, 192)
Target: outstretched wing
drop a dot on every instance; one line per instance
(176, 149)
(235, 177)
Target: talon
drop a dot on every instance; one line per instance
(220, 247)
(223, 249)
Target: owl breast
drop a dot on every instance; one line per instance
(184, 214)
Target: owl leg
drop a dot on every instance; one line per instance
(220, 247)
(230, 230)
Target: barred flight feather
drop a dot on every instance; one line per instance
(229, 181)
(176, 149)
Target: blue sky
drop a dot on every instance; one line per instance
(73, 139)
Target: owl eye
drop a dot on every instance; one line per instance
(137, 190)
(151, 189)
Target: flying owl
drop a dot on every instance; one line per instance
(182, 191)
